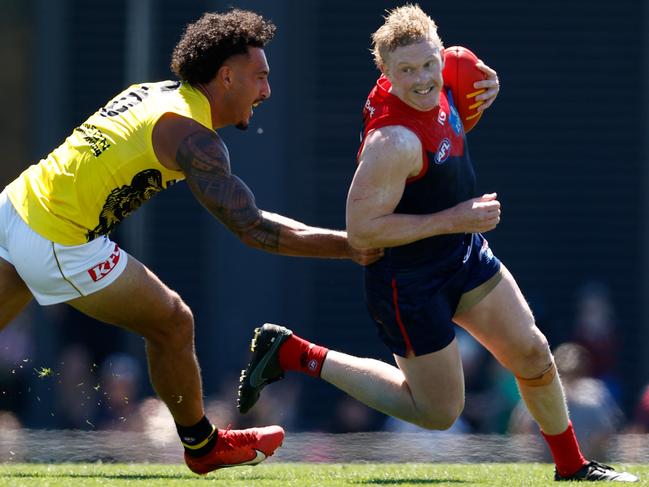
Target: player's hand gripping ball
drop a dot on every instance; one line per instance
(460, 72)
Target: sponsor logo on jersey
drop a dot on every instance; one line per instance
(94, 138)
(441, 117)
(370, 109)
(455, 122)
(443, 151)
(101, 270)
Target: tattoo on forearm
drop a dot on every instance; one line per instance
(205, 161)
(266, 234)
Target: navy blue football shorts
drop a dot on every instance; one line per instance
(413, 308)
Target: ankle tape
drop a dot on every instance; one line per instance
(542, 380)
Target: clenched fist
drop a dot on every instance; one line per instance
(477, 215)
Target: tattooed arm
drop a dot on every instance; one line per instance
(185, 145)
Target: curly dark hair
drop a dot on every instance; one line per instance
(208, 42)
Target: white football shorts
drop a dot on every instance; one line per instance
(57, 273)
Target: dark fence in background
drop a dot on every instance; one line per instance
(563, 147)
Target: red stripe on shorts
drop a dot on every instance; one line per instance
(402, 328)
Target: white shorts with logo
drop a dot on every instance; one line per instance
(56, 273)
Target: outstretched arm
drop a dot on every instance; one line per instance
(204, 159)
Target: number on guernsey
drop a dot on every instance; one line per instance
(123, 103)
(132, 98)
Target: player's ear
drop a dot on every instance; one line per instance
(224, 75)
(383, 67)
(382, 64)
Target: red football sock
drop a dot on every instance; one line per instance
(302, 356)
(565, 451)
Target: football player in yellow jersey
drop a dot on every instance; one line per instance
(54, 218)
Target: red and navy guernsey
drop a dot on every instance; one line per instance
(447, 176)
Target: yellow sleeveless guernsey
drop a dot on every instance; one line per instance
(107, 168)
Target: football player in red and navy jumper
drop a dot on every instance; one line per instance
(414, 291)
(414, 194)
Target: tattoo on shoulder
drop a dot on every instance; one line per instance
(203, 152)
(205, 160)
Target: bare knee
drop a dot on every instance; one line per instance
(531, 356)
(442, 416)
(175, 327)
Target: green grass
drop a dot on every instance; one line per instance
(288, 474)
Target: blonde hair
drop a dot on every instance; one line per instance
(403, 26)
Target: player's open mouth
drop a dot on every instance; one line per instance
(254, 105)
(425, 91)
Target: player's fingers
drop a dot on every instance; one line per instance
(475, 94)
(488, 205)
(486, 104)
(493, 219)
(488, 197)
(488, 210)
(369, 256)
(492, 205)
(489, 94)
(494, 215)
(486, 69)
(492, 83)
(476, 105)
(491, 87)
(489, 217)
(372, 253)
(492, 80)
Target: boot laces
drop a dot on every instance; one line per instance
(231, 439)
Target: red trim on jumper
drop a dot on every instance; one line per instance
(402, 328)
(383, 108)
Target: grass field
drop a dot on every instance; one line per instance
(289, 474)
